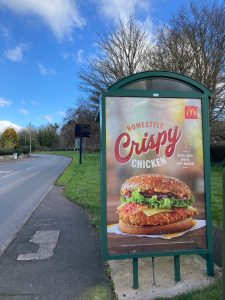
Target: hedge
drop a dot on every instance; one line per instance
(217, 153)
(20, 150)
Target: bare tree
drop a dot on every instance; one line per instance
(193, 43)
(120, 53)
(80, 115)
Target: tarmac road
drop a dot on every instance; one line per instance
(23, 185)
(56, 254)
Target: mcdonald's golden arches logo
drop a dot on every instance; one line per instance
(191, 112)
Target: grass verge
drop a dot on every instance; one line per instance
(99, 292)
(82, 183)
(216, 191)
(212, 292)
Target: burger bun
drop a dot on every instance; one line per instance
(157, 229)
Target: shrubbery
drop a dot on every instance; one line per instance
(20, 150)
(6, 151)
(53, 149)
(217, 153)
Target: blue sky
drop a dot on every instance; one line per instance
(43, 44)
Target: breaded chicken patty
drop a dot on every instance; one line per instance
(133, 214)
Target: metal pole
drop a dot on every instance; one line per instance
(81, 140)
(210, 264)
(135, 273)
(30, 138)
(177, 267)
(84, 147)
(153, 271)
(223, 247)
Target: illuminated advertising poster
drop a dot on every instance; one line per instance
(155, 175)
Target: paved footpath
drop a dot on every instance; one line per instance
(61, 262)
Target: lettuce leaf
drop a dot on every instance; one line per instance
(153, 202)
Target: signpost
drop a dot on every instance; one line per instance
(156, 169)
(82, 130)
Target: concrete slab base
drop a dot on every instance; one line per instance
(193, 276)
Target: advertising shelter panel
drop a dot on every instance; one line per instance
(154, 139)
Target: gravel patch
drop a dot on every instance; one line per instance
(193, 276)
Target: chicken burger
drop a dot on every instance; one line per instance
(155, 204)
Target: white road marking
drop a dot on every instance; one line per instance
(47, 240)
(29, 168)
(11, 174)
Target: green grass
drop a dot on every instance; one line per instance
(212, 292)
(82, 183)
(99, 292)
(216, 191)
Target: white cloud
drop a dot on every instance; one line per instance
(48, 118)
(4, 102)
(115, 9)
(148, 26)
(16, 54)
(80, 58)
(46, 71)
(65, 55)
(24, 111)
(62, 16)
(77, 57)
(4, 32)
(35, 102)
(7, 124)
(54, 117)
(61, 113)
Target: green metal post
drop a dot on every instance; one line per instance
(206, 151)
(223, 249)
(153, 271)
(135, 273)
(177, 267)
(210, 264)
(81, 149)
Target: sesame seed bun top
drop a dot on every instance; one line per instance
(156, 183)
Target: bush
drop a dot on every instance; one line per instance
(6, 151)
(20, 150)
(217, 153)
(42, 148)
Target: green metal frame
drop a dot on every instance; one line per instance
(119, 90)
